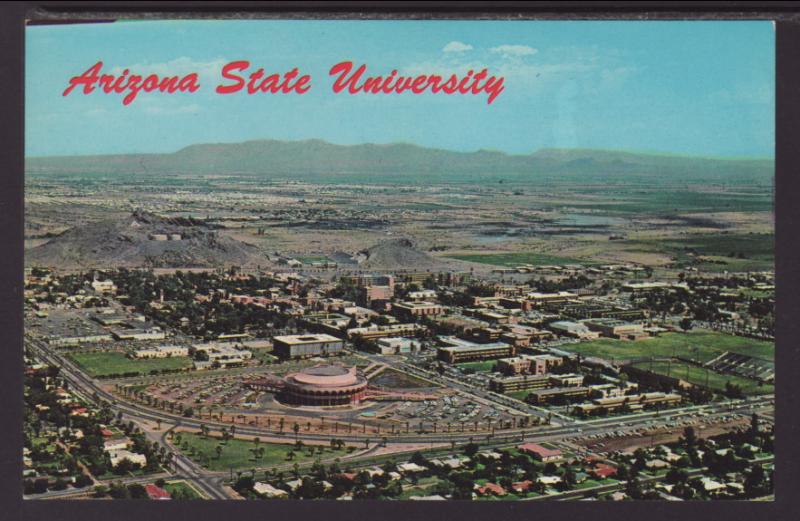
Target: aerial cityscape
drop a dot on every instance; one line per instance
(299, 319)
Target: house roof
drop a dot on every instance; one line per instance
(538, 449)
(522, 486)
(156, 492)
(492, 488)
(604, 470)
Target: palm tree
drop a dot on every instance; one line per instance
(296, 429)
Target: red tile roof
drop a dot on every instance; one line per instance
(492, 488)
(522, 486)
(156, 492)
(538, 449)
(603, 470)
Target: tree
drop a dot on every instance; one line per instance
(689, 437)
(753, 432)
(218, 450)
(686, 324)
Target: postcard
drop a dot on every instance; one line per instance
(450, 260)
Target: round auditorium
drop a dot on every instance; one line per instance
(324, 385)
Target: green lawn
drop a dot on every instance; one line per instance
(485, 366)
(104, 364)
(511, 260)
(183, 488)
(709, 345)
(236, 454)
(697, 375)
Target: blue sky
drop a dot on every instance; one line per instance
(696, 88)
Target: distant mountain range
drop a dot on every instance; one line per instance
(322, 161)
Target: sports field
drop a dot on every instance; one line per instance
(698, 375)
(700, 345)
(104, 364)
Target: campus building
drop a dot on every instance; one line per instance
(411, 309)
(304, 346)
(510, 384)
(528, 364)
(464, 351)
(618, 329)
(324, 385)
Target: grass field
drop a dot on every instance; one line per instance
(697, 375)
(485, 366)
(708, 345)
(104, 364)
(236, 454)
(183, 488)
(511, 260)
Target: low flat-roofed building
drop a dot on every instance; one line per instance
(567, 380)
(573, 329)
(224, 354)
(304, 346)
(118, 456)
(650, 286)
(418, 309)
(510, 384)
(538, 298)
(139, 333)
(632, 401)
(161, 352)
(540, 453)
(401, 345)
(104, 286)
(606, 391)
(528, 364)
(424, 294)
(542, 396)
(67, 341)
(392, 330)
(618, 329)
(472, 352)
(267, 490)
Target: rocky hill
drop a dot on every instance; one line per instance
(143, 240)
(397, 254)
